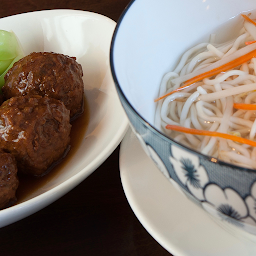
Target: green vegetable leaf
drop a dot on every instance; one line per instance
(10, 52)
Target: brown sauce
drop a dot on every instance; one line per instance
(29, 184)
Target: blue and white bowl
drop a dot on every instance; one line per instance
(149, 38)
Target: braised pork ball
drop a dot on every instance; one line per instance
(36, 130)
(8, 180)
(47, 74)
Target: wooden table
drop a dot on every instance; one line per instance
(95, 217)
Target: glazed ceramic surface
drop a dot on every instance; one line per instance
(148, 41)
(86, 36)
(175, 222)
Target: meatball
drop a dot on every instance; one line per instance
(47, 74)
(8, 180)
(36, 130)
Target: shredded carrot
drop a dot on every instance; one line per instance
(249, 19)
(211, 133)
(244, 106)
(230, 65)
(250, 42)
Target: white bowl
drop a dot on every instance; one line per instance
(87, 37)
(149, 39)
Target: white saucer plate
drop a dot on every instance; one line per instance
(175, 222)
(86, 36)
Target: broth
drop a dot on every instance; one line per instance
(221, 76)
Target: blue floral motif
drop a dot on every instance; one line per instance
(157, 160)
(226, 204)
(189, 171)
(251, 202)
(153, 155)
(229, 211)
(159, 163)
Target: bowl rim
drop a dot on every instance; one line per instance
(150, 127)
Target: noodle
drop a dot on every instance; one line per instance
(208, 104)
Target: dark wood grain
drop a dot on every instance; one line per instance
(94, 218)
(109, 8)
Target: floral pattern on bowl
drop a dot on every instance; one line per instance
(209, 183)
(189, 171)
